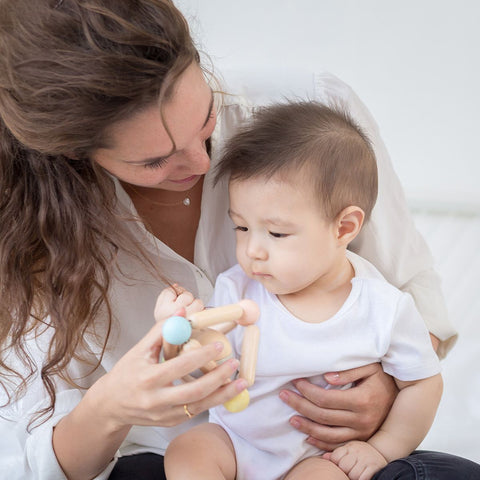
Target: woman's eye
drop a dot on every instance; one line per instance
(278, 235)
(158, 163)
(241, 229)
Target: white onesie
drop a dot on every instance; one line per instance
(377, 322)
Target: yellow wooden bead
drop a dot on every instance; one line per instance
(238, 403)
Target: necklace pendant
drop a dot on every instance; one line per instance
(186, 201)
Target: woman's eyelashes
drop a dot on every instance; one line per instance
(158, 163)
(161, 162)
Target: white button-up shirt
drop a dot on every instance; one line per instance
(389, 240)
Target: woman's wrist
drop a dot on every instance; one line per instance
(100, 402)
(86, 440)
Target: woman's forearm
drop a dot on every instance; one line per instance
(85, 441)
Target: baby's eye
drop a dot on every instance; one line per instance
(240, 229)
(278, 235)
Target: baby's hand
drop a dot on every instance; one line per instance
(359, 460)
(175, 300)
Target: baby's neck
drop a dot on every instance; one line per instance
(322, 299)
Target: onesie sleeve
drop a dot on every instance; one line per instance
(27, 449)
(410, 355)
(389, 239)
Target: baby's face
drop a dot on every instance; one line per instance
(283, 238)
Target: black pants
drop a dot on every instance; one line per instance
(420, 465)
(425, 465)
(144, 466)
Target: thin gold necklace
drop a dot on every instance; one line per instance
(186, 201)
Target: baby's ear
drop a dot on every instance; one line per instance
(349, 223)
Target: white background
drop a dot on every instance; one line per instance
(415, 63)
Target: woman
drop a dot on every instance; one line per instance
(107, 130)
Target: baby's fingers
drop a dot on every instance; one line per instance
(344, 460)
(341, 457)
(174, 298)
(165, 305)
(195, 306)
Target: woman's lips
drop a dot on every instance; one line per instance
(186, 179)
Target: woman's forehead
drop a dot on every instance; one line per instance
(146, 134)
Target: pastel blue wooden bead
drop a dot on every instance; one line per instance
(177, 330)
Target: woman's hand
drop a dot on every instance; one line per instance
(332, 417)
(140, 391)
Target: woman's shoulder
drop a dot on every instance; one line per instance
(371, 278)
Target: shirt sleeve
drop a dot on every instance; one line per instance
(410, 355)
(27, 448)
(389, 239)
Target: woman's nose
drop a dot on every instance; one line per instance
(197, 160)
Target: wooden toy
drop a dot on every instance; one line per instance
(185, 334)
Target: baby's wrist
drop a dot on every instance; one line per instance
(375, 444)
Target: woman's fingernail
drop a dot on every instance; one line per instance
(294, 423)
(241, 385)
(283, 395)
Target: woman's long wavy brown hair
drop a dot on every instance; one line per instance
(68, 70)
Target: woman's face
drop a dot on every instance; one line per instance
(141, 149)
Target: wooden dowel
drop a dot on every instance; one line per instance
(213, 316)
(248, 360)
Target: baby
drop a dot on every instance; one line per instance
(302, 181)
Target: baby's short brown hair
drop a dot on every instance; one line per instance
(324, 142)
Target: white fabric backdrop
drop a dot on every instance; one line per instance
(414, 63)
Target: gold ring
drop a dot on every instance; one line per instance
(187, 413)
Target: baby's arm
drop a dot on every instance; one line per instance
(410, 418)
(402, 431)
